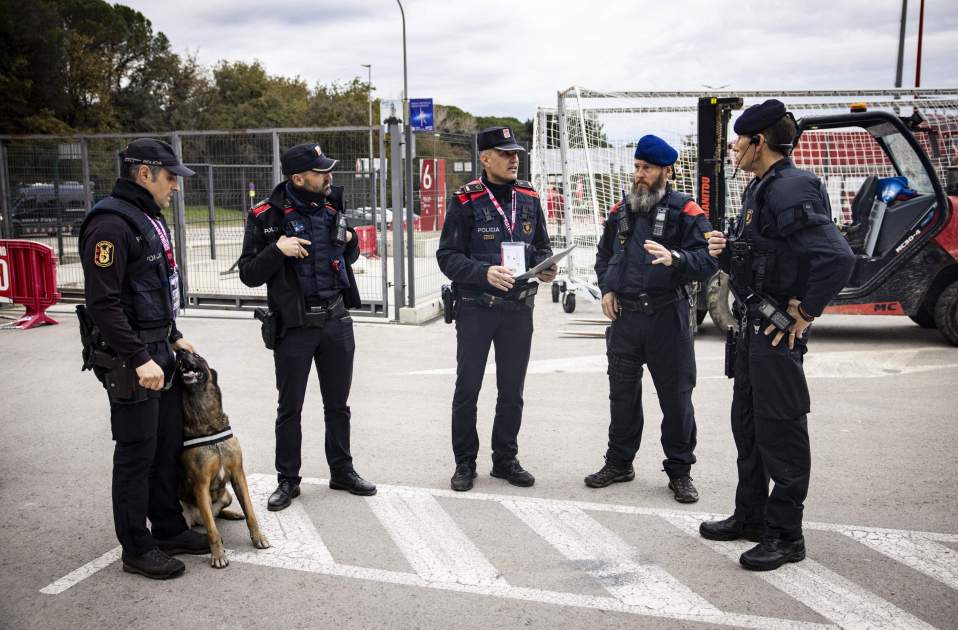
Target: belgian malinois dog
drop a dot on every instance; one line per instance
(207, 467)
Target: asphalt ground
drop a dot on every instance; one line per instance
(880, 517)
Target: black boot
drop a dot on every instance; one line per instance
(732, 529)
(462, 479)
(609, 474)
(153, 564)
(284, 494)
(683, 490)
(187, 541)
(772, 553)
(513, 472)
(352, 483)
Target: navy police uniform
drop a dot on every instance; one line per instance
(471, 242)
(653, 326)
(795, 251)
(310, 297)
(129, 284)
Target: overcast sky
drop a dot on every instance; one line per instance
(509, 57)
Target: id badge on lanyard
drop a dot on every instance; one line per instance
(514, 256)
(175, 290)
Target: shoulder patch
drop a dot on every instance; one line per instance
(692, 209)
(103, 254)
(260, 209)
(470, 188)
(525, 188)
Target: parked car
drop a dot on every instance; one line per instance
(44, 208)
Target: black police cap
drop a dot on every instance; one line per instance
(760, 117)
(500, 138)
(306, 157)
(154, 153)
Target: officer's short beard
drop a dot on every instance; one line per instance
(643, 198)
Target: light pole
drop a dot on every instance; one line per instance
(370, 170)
(410, 196)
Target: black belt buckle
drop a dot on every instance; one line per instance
(645, 304)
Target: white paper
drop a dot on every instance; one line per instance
(514, 257)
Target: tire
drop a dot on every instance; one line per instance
(924, 316)
(946, 313)
(555, 292)
(720, 302)
(568, 302)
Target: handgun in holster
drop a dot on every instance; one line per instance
(118, 377)
(269, 326)
(450, 301)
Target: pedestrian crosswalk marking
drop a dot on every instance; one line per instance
(442, 557)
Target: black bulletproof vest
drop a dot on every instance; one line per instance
(489, 231)
(774, 265)
(322, 274)
(630, 268)
(146, 297)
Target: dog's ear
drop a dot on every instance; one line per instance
(214, 376)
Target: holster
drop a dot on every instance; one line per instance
(118, 377)
(450, 299)
(269, 326)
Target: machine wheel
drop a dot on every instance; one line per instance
(719, 299)
(924, 316)
(568, 302)
(555, 291)
(946, 313)
(562, 286)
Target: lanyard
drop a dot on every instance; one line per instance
(167, 249)
(509, 224)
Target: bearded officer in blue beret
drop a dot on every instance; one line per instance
(787, 261)
(653, 245)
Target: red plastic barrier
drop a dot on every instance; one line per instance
(28, 276)
(367, 240)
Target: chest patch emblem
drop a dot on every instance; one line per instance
(748, 216)
(488, 237)
(527, 228)
(103, 254)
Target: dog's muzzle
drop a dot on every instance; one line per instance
(191, 376)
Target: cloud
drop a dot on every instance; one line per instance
(505, 57)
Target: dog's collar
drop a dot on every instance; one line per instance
(207, 440)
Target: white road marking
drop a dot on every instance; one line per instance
(414, 519)
(610, 560)
(914, 550)
(431, 541)
(851, 364)
(832, 596)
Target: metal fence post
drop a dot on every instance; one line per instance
(383, 257)
(564, 157)
(396, 175)
(277, 166)
(179, 220)
(85, 168)
(411, 201)
(211, 203)
(6, 227)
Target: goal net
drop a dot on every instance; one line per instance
(582, 162)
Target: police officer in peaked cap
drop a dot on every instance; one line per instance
(132, 296)
(652, 246)
(491, 217)
(298, 244)
(787, 260)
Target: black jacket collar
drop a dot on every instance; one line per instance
(135, 194)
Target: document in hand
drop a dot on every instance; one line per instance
(545, 264)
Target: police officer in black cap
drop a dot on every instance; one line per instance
(298, 244)
(129, 324)
(787, 260)
(493, 217)
(652, 246)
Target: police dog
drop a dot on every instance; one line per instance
(207, 468)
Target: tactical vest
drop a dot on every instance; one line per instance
(489, 230)
(146, 298)
(630, 270)
(322, 274)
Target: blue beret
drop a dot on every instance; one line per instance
(760, 117)
(655, 150)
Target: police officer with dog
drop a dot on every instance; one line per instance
(494, 226)
(787, 260)
(652, 246)
(129, 333)
(299, 245)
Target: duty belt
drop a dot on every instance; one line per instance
(522, 298)
(317, 316)
(647, 304)
(154, 335)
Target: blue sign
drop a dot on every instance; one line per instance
(420, 114)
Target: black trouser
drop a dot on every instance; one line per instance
(769, 406)
(510, 331)
(664, 342)
(149, 438)
(331, 348)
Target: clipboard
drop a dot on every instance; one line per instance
(545, 264)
